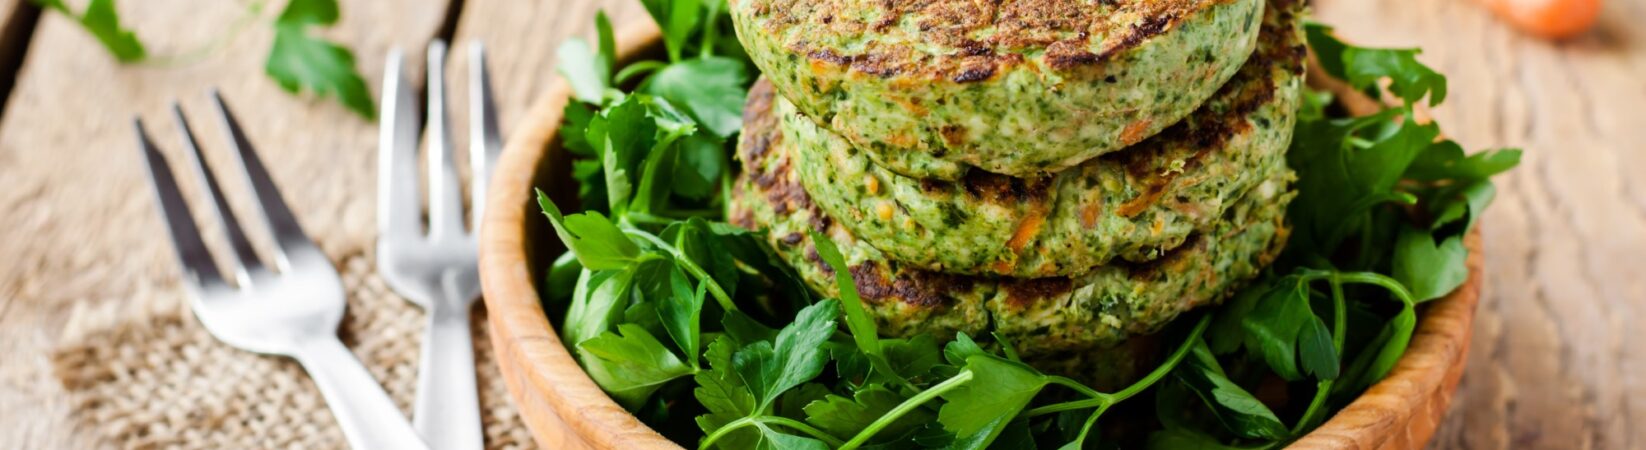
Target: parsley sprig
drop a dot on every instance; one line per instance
(1382, 209)
(298, 60)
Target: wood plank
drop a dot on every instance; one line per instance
(17, 19)
(81, 230)
(1553, 364)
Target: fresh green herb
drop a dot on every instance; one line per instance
(863, 329)
(1383, 207)
(710, 90)
(103, 22)
(1236, 409)
(843, 416)
(299, 60)
(589, 71)
(630, 364)
(296, 61)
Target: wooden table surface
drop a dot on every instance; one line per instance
(1553, 364)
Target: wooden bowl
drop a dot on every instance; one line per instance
(566, 410)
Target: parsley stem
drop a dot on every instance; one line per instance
(691, 267)
(1380, 280)
(1080, 387)
(1101, 400)
(1068, 406)
(774, 420)
(711, 30)
(638, 68)
(1080, 440)
(1324, 387)
(1340, 313)
(1170, 363)
(253, 11)
(903, 408)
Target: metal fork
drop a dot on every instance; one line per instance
(437, 270)
(290, 309)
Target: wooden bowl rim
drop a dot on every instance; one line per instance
(536, 363)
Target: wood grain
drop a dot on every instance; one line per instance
(80, 229)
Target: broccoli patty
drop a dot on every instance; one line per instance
(1134, 204)
(1041, 316)
(932, 88)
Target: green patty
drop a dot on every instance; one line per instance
(1133, 204)
(932, 88)
(1041, 316)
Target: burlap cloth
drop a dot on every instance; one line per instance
(157, 379)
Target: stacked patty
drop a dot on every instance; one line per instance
(1081, 204)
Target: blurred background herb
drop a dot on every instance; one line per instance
(298, 60)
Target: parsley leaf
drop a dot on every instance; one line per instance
(597, 304)
(1273, 325)
(700, 164)
(771, 439)
(598, 243)
(1445, 160)
(1430, 269)
(630, 364)
(1364, 67)
(562, 277)
(1236, 409)
(298, 60)
(103, 22)
(769, 369)
(573, 133)
(622, 134)
(962, 348)
(863, 328)
(842, 416)
(1346, 167)
(697, 240)
(997, 391)
(710, 90)
(589, 71)
(1384, 350)
(912, 357)
(722, 392)
(1227, 332)
(750, 249)
(677, 19)
(681, 313)
(1317, 354)
(744, 330)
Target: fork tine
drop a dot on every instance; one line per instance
(282, 224)
(238, 243)
(192, 255)
(485, 141)
(399, 209)
(445, 192)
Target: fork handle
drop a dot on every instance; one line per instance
(447, 412)
(369, 419)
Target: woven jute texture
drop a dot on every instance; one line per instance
(159, 380)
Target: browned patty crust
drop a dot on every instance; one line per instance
(932, 88)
